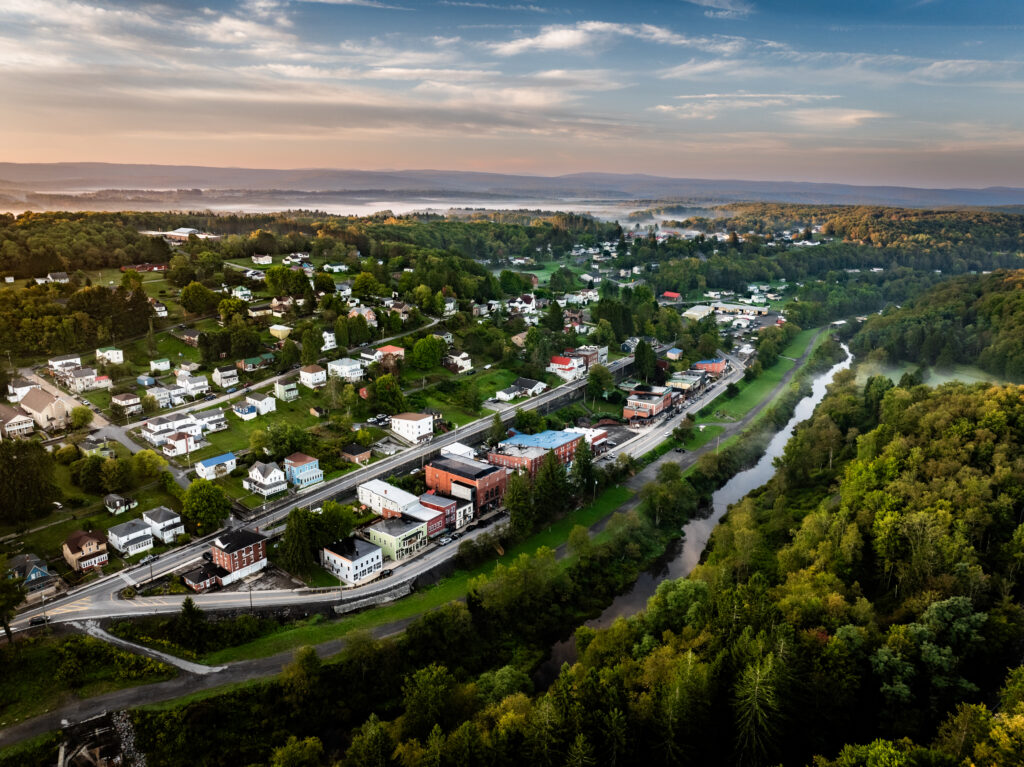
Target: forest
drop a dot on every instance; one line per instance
(973, 319)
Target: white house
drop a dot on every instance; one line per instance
(346, 369)
(128, 403)
(131, 537)
(194, 385)
(18, 388)
(164, 523)
(458, 363)
(265, 479)
(179, 443)
(218, 466)
(160, 394)
(352, 559)
(211, 420)
(312, 376)
(451, 306)
(161, 365)
(67, 361)
(385, 498)
(330, 341)
(225, 376)
(286, 389)
(568, 368)
(335, 268)
(263, 403)
(414, 427)
(159, 308)
(242, 293)
(262, 260)
(244, 410)
(109, 355)
(81, 379)
(156, 430)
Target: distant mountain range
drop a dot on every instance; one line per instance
(151, 186)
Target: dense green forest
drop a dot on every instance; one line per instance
(973, 319)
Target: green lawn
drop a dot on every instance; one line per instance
(321, 579)
(236, 436)
(799, 344)
(454, 413)
(316, 630)
(493, 380)
(751, 393)
(47, 543)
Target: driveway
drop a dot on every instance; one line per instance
(97, 419)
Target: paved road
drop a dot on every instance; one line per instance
(69, 401)
(99, 599)
(265, 667)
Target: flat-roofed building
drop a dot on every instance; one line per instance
(467, 480)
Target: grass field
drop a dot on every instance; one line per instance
(316, 630)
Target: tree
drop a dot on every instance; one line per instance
(582, 475)
(554, 320)
(116, 474)
(26, 481)
(289, 355)
(427, 697)
(302, 679)
(230, 307)
(519, 502)
(341, 332)
(310, 347)
(599, 381)
(551, 488)
(498, 430)
(205, 505)
(388, 394)
(12, 594)
(131, 280)
(196, 298)
(149, 404)
(189, 628)
(298, 753)
(147, 464)
(81, 416)
(644, 360)
(295, 553)
(372, 744)
(427, 353)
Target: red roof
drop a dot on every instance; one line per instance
(561, 361)
(670, 294)
(389, 349)
(298, 459)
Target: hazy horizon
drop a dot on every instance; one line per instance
(883, 92)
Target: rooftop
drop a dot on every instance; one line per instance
(352, 548)
(395, 526)
(162, 514)
(236, 540)
(389, 491)
(463, 467)
(411, 416)
(222, 458)
(548, 440)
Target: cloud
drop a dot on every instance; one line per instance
(833, 118)
(724, 9)
(707, 106)
(586, 34)
(494, 6)
(361, 3)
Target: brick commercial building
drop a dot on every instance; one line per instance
(467, 480)
(239, 553)
(457, 513)
(647, 401)
(526, 451)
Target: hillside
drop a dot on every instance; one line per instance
(971, 319)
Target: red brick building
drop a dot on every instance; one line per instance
(647, 401)
(239, 553)
(469, 480)
(526, 451)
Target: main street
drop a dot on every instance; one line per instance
(100, 598)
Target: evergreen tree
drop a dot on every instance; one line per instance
(498, 430)
(310, 347)
(289, 355)
(582, 474)
(644, 360)
(554, 320)
(551, 488)
(519, 502)
(296, 550)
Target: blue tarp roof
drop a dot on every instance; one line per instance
(548, 440)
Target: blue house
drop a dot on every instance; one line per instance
(145, 380)
(303, 470)
(39, 581)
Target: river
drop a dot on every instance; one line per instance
(684, 554)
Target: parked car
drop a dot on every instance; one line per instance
(680, 449)
(147, 559)
(207, 556)
(386, 573)
(444, 541)
(208, 397)
(456, 536)
(232, 390)
(39, 620)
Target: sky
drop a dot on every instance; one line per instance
(897, 92)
